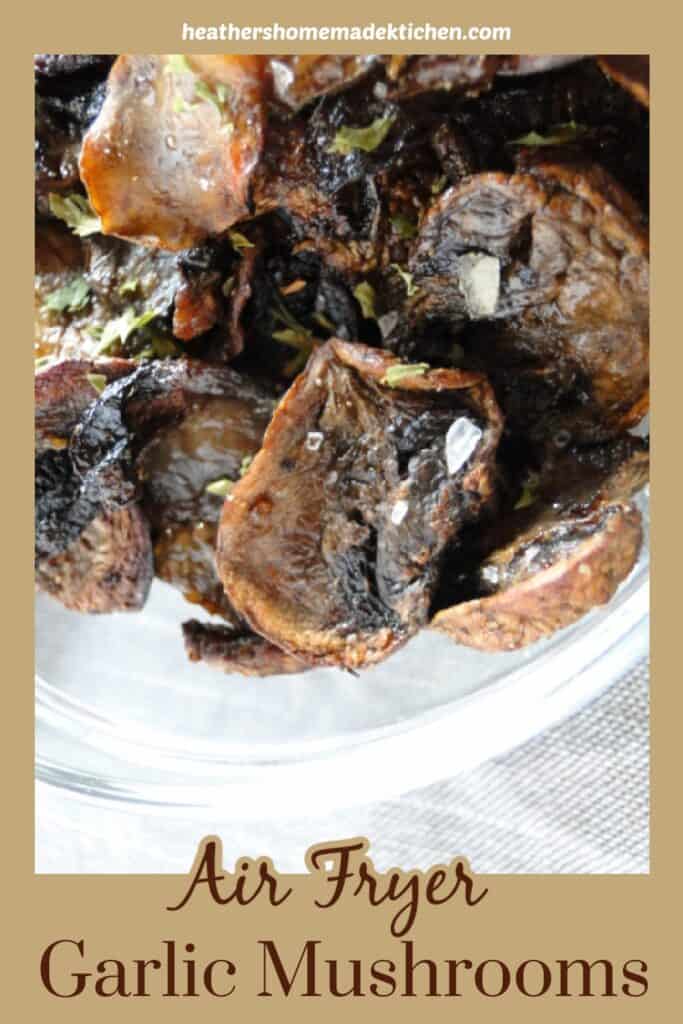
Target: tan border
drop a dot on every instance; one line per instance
(545, 917)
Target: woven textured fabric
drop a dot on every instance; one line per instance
(573, 800)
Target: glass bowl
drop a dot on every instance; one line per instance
(121, 715)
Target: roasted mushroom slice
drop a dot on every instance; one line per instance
(89, 558)
(169, 158)
(185, 471)
(63, 391)
(552, 560)
(330, 546)
(300, 78)
(578, 104)
(104, 295)
(108, 568)
(297, 302)
(548, 272)
(466, 75)
(70, 91)
(346, 173)
(233, 651)
(171, 435)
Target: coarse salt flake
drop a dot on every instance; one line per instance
(314, 440)
(462, 438)
(399, 512)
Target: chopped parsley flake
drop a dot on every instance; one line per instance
(159, 348)
(123, 326)
(220, 487)
(76, 212)
(176, 64)
(529, 493)
(365, 295)
(218, 97)
(296, 336)
(369, 138)
(400, 371)
(403, 226)
(557, 135)
(73, 296)
(439, 185)
(246, 463)
(411, 289)
(129, 287)
(324, 321)
(239, 241)
(98, 381)
(292, 336)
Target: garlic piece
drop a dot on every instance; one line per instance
(479, 277)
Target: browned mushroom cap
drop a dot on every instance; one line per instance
(186, 470)
(467, 75)
(84, 286)
(63, 391)
(169, 158)
(553, 273)
(329, 546)
(105, 563)
(300, 78)
(559, 558)
(631, 71)
(231, 651)
(108, 568)
(69, 93)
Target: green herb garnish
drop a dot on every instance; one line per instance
(411, 289)
(164, 347)
(289, 336)
(217, 97)
(98, 381)
(129, 287)
(369, 138)
(159, 347)
(76, 212)
(403, 226)
(246, 463)
(73, 296)
(557, 135)
(296, 336)
(400, 371)
(176, 64)
(324, 322)
(205, 92)
(239, 241)
(365, 296)
(123, 326)
(439, 185)
(220, 487)
(529, 493)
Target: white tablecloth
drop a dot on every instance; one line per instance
(575, 799)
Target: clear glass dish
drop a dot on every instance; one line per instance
(122, 716)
